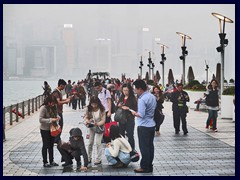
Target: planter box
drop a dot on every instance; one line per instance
(194, 95)
(227, 107)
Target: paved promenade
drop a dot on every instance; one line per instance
(200, 153)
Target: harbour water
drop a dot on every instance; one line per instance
(18, 91)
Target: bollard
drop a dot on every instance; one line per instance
(23, 110)
(36, 104)
(32, 105)
(4, 137)
(39, 99)
(10, 111)
(29, 107)
(17, 112)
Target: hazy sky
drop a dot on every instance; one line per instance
(163, 20)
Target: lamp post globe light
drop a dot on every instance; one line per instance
(163, 60)
(223, 43)
(184, 53)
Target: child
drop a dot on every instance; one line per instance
(74, 148)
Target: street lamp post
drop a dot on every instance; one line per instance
(223, 43)
(163, 60)
(207, 67)
(140, 67)
(150, 64)
(184, 52)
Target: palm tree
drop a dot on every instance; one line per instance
(158, 77)
(190, 75)
(213, 76)
(147, 77)
(170, 77)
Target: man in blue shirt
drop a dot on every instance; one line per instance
(146, 126)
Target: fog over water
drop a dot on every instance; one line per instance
(110, 38)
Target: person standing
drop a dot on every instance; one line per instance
(212, 102)
(82, 95)
(95, 116)
(156, 91)
(47, 89)
(48, 115)
(128, 101)
(179, 108)
(105, 97)
(68, 90)
(146, 125)
(60, 101)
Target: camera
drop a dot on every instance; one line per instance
(209, 86)
(91, 124)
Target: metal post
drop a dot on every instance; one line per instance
(23, 110)
(36, 103)
(17, 112)
(29, 107)
(183, 81)
(163, 74)
(222, 38)
(39, 99)
(10, 111)
(32, 105)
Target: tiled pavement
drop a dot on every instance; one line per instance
(200, 153)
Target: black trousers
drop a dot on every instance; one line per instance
(47, 147)
(67, 156)
(58, 137)
(129, 128)
(178, 114)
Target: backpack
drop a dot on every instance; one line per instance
(113, 106)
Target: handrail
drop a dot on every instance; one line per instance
(16, 111)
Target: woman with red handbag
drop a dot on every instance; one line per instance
(47, 116)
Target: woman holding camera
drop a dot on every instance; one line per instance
(95, 116)
(212, 102)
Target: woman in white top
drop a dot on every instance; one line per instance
(118, 151)
(95, 116)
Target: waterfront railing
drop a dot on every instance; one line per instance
(14, 112)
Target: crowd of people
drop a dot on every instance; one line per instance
(140, 104)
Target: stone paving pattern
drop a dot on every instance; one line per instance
(200, 153)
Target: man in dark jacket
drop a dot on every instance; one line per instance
(74, 148)
(179, 108)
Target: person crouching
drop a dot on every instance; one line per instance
(74, 148)
(118, 152)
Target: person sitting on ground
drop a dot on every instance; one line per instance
(198, 102)
(74, 148)
(118, 151)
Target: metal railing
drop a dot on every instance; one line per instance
(20, 110)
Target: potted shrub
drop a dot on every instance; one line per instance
(227, 106)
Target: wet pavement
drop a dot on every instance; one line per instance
(200, 153)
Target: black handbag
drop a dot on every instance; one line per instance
(120, 116)
(158, 116)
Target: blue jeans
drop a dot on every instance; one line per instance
(122, 156)
(145, 138)
(212, 114)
